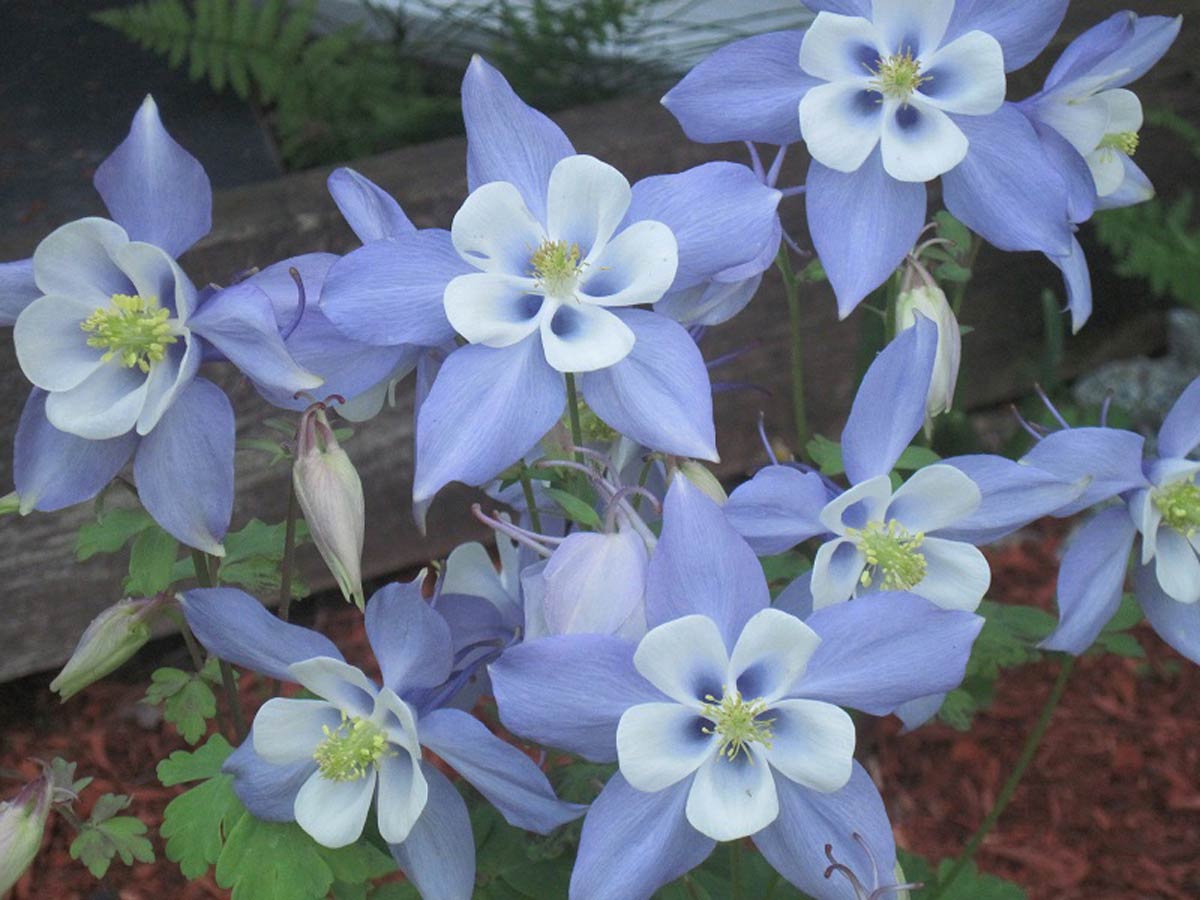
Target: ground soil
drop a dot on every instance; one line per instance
(1110, 808)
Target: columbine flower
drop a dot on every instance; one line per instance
(544, 262)
(1088, 125)
(889, 94)
(1159, 500)
(724, 718)
(112, 333)
(321, 762)
(22, 822)
(110, 640)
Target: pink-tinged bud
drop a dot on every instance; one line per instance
(108, 642)
(22, 821)
(699, 475)
(331, 498)
(928, 300)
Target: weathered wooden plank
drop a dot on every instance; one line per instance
(48, 597)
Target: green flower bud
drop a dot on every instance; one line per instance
(699, 475)
(331, 498)
(22, 821)
(108, 642)
(929, 300)
(10, 503)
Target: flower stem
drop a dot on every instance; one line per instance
(1014, 780)
(535, 518)
(200, 562)
(289, 553)
(960, 292)
(573, 412)
(735, 870)
(791, 287)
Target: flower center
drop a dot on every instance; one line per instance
(736, 722)
(132, 330)
(893, 553)
(1179, 504)
(556, 267)
(1123, 141)
(351, 749)
(899, 76)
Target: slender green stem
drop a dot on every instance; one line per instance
(791, 287)
(573, 412)
(200, 562)
(1014, 780)
(735, 870)
(772, 886)
(189, 639)
(535, 518)
(692, 888)
(960, 292)
(289, 553)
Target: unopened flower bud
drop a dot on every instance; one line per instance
(331, 498)
(929, 300)
(699, 475)
(22, 821)
(108, 642)
(10, 503)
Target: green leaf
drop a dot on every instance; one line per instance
(826, 454)
(106, 836)
(203, 762)
(916, 458)
(784, 568)
(954, 231)
(187, 700)
(151, 560)
(272, 861)
(575, 509)
(110, 532)
(970, 884)
(253, 555)
(357, 863)
(196, 823)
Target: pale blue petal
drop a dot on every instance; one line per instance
(797, 597)
(268, 791)
(1180, 432)
(634, 843)
(1078, 282)
(1176, 623)
(1007, 190)
(390, 292)
(659, 394)
(1134, 190)
(1152, 38)
(569, 691)
(17, 289)
(1087, 50)
(1023, 28)
(77, 260)
(52, 469)
(508, 140)
(916, 713)
(778, 508)
(370, 211)
(889, 408)
(184, 467)
(702, 566)
(410, 639)
(235, 627)
(153, 188)
(1111, 458)
(794, 844)
(438, 856)
(503, 774)
(1066, 160)
(1091, 579)
(749, 90)
(487, 408)
(881, 650)
(863, 224)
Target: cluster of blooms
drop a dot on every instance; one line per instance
(652, 641)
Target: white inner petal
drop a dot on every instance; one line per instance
(838, 47)
(660, 744)
(495, 231)
(333, 812)
(919, 141)
(841, 123)
(770, 655)
(915, 27)
(966, 76)
(579, 337)
(685, 658)
(812, 743)
(587, 200)
(733, 798)
(493, 309)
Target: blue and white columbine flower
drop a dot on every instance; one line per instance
(724, 718)
(540, 273)
(1159, 500)
(322, 762)
(1088, 123)
(889, 94)
(112, 333)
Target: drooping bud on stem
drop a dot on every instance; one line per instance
(920, 294)
(107, 643)
(22, 821)
(331, 498)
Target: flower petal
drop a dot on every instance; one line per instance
(686, 659)
(335, 680)
(1110, 458)
(1177, 567)
(595, 582)
(268, 791)
(778, 508)
(966, 76)
(403, 796)
(579, 337)
(733, 798)
(1022, 28)
(1180, 431)
(771, 654)
(634, 842)
(660, 744)
(957, 575)
(492, 309)
(438, 856)
(104, 405)
(659, 395)
(865, 502)
(913, 27)
(920, 142)
(17, 289)
(370, 211)
(1176, 623)
(288, 731)
(842, 122)
(935, 497)
(586, 201)
(486, 409)
(154, 188)
(812, 743)
(333, 813)
(51, 345)
(495, 232)
(839, 48)
(637, 266)
(410, 639)
(76, 260)
(837, 569)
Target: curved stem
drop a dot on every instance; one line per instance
(791, 287)
(200, 562)
(289, 553)
(1014, 780)
(573, 413)
(535, 518)
(960, 292)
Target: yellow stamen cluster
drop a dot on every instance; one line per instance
(736, 722)
(893, 553)
(1179, 504)
(1124, 141)
(349, 751)
(556, 265)
(898, 76)
(132, 330)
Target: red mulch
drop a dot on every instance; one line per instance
(1110, 808)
